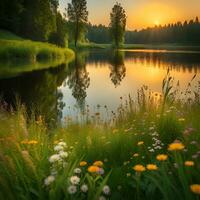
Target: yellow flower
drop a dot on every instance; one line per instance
(189, 163)
(139, 168)
(24, 142)
(176, 146)
(140, 143)
(33, 142)
(162, 157)
(83, 163)
(195, 188)
(93, 169)
(98, 163)
(135, 155)
(152, 167)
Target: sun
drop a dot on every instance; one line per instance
(156, 22)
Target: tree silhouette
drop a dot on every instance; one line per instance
(78, 79)
(118, 69)
(118, 24)
(78, 17)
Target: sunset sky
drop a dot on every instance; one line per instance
(142, 13)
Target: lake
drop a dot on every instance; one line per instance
(96, 79)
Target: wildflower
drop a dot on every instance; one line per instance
(106, 190)
(93, 169)
(49, 180)
(195, 188)
(135, 155)
(77, 170)
(176, 146)
(75, 180)
(84, 188)
(33, 142)
(98, 163)
(152, 167)
(83, 163)
(63, 154)
(189, 163)
(101, 171)
(58, 148)
(72, 189)
(24, 142)
(54, 158)
(139, 168)
(140, 143)
(161, 157)
(63, 144)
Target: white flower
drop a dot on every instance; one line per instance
(102, 198)
(49, 180)
(84, 188)
(63, 154)
(58, 148)
(63, 144)
(101, 171)
(106, 190)
(75, 180)
(77, 171)
(72, 189)
(54, 158)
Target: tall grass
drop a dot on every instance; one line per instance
(155, 131)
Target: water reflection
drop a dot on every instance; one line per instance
(38, 91)
(97, 77)
(78, 79)
(118, 69)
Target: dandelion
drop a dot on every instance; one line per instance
(189, 163)
(49, 180)
(106, 190)
(74, 180)
(93, 169)
(83, 163)
(77, 170)
(139, 168)
(72, 189)
(98, 163)
(140, 143)
(195, 188)
(54, 158)
(161, 157)
(176, 146)
(135, 155)
(33, 142)
(84, 188)
(152, 167)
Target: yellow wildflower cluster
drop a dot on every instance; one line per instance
(29, 142)
(161, 157)
(189, 163)
(195, 188)
(152, 167)
(176, 146)
(139, 168)
(83, 163)
(93, 169)
(98, 163)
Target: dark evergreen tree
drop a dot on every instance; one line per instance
(117, 24)
(78, 17)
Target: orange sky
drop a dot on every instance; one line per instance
(143, 13)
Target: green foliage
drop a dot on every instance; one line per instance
(78, 17)
(118, 24)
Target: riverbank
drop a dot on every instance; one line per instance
(14, 47)
(149, 151)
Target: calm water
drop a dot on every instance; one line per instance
(97, 78)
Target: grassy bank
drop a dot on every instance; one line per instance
(168, 46)
(149, 150)
(12, 47)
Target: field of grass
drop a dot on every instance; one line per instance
(14, 47)
(149, 150)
